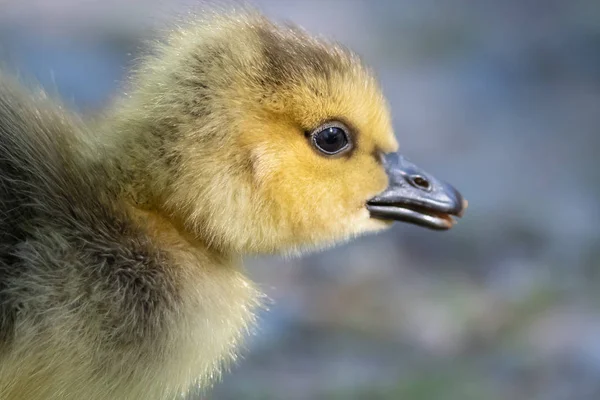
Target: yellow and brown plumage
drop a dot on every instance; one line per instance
(120, 240)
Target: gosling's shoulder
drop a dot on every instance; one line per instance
(64, 232)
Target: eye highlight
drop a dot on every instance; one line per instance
(331, 139)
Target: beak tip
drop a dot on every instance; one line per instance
(465, 205)
(457, 203)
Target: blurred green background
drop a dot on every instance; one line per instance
(499, 97)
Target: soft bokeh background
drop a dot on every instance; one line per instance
(500, 97)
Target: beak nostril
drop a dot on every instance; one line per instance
(420, 182)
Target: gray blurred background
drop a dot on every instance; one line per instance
(499, 97)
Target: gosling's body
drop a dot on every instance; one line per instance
(93, 305)
(120, 241)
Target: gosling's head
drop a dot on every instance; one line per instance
(260, 138)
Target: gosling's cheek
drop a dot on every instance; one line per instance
(264, 165)
(371, 185)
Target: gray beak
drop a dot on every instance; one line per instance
(416, 197)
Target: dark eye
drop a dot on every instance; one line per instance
(331, 139)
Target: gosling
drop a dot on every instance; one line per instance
(121, 241)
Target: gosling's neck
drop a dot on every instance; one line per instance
(171, 236)
(217, 304)
(140, 177)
